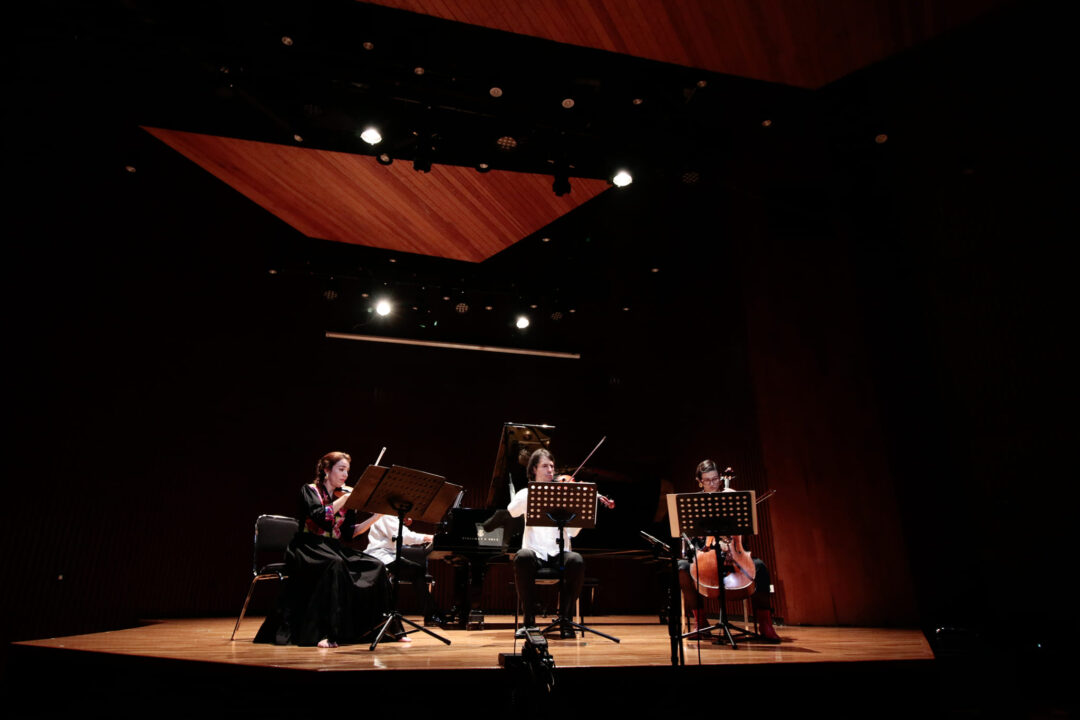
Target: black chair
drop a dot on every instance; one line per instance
(545, 576)
(273, 533)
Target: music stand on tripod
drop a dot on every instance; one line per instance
(563, 505)
(715, 514)
(398, 491)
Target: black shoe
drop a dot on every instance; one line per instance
(435, 620)
(567, 632)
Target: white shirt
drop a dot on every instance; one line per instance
(381, 542)
(543, 540)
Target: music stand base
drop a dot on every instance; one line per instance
(384, 626)
(560, 621)
(726, 636)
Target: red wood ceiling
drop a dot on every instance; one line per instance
(458, 213)
(806, 43)
(451, 212)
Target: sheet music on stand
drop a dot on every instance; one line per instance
(569, 503)
(721, 513)
(385, 489)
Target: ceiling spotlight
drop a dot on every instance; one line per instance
(568, 103)
(766, 123)
(130, 168)
(461, 308)
(384, 159)
(556, 315)
(298, 138)
(702, 83)
(622, 179)
(383, 307)
(506, 143)
(418, 71)
(371, 136)
(690, 177)
(368, 45)
(545, 239)
(286, 41)
(483, 167)
(561, 186)
(638, 101)
(330, 295)
(522, 322)
(495, 92)
(881, 139)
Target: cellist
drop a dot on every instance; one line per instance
(710, 480)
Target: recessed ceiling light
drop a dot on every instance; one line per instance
(286, 41)
(495, 92)
(568, 103)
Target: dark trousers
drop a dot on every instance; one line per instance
(695, 600)
(526, 567)
(410, 570)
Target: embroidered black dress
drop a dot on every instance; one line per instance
(332, 591)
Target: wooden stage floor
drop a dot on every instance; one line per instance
(189, 665)
(643, 642)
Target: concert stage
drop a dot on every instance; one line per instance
(190, 665)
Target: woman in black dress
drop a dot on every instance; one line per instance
(334, 595)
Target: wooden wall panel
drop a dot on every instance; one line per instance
(836, 523)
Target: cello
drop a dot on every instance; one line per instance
(739, 566)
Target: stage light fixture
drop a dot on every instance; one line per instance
(522, 322)
(384, 159)
(483, 167)
(383, 307)
(371, 136)
(561, 186)
(622, 179)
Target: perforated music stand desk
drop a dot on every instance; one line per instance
(717, 514)
(563, 505)
(397, 491)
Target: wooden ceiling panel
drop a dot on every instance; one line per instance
(451, 212)
(806, 43)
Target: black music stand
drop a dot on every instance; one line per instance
(398, 491)
(716, 514)
(563, 505)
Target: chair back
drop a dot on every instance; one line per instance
(273, 533)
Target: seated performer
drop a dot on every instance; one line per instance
(540, 549)
(333, 594)
(710, 480)
(412, 567)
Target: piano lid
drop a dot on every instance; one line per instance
(517, 442)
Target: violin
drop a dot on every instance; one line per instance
(605, 501)
(341, 491)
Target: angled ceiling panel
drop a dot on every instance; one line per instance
(451, 212)
(807, 44)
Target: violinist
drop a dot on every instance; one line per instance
(710, 480)
(334, 594)
(540, 549)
